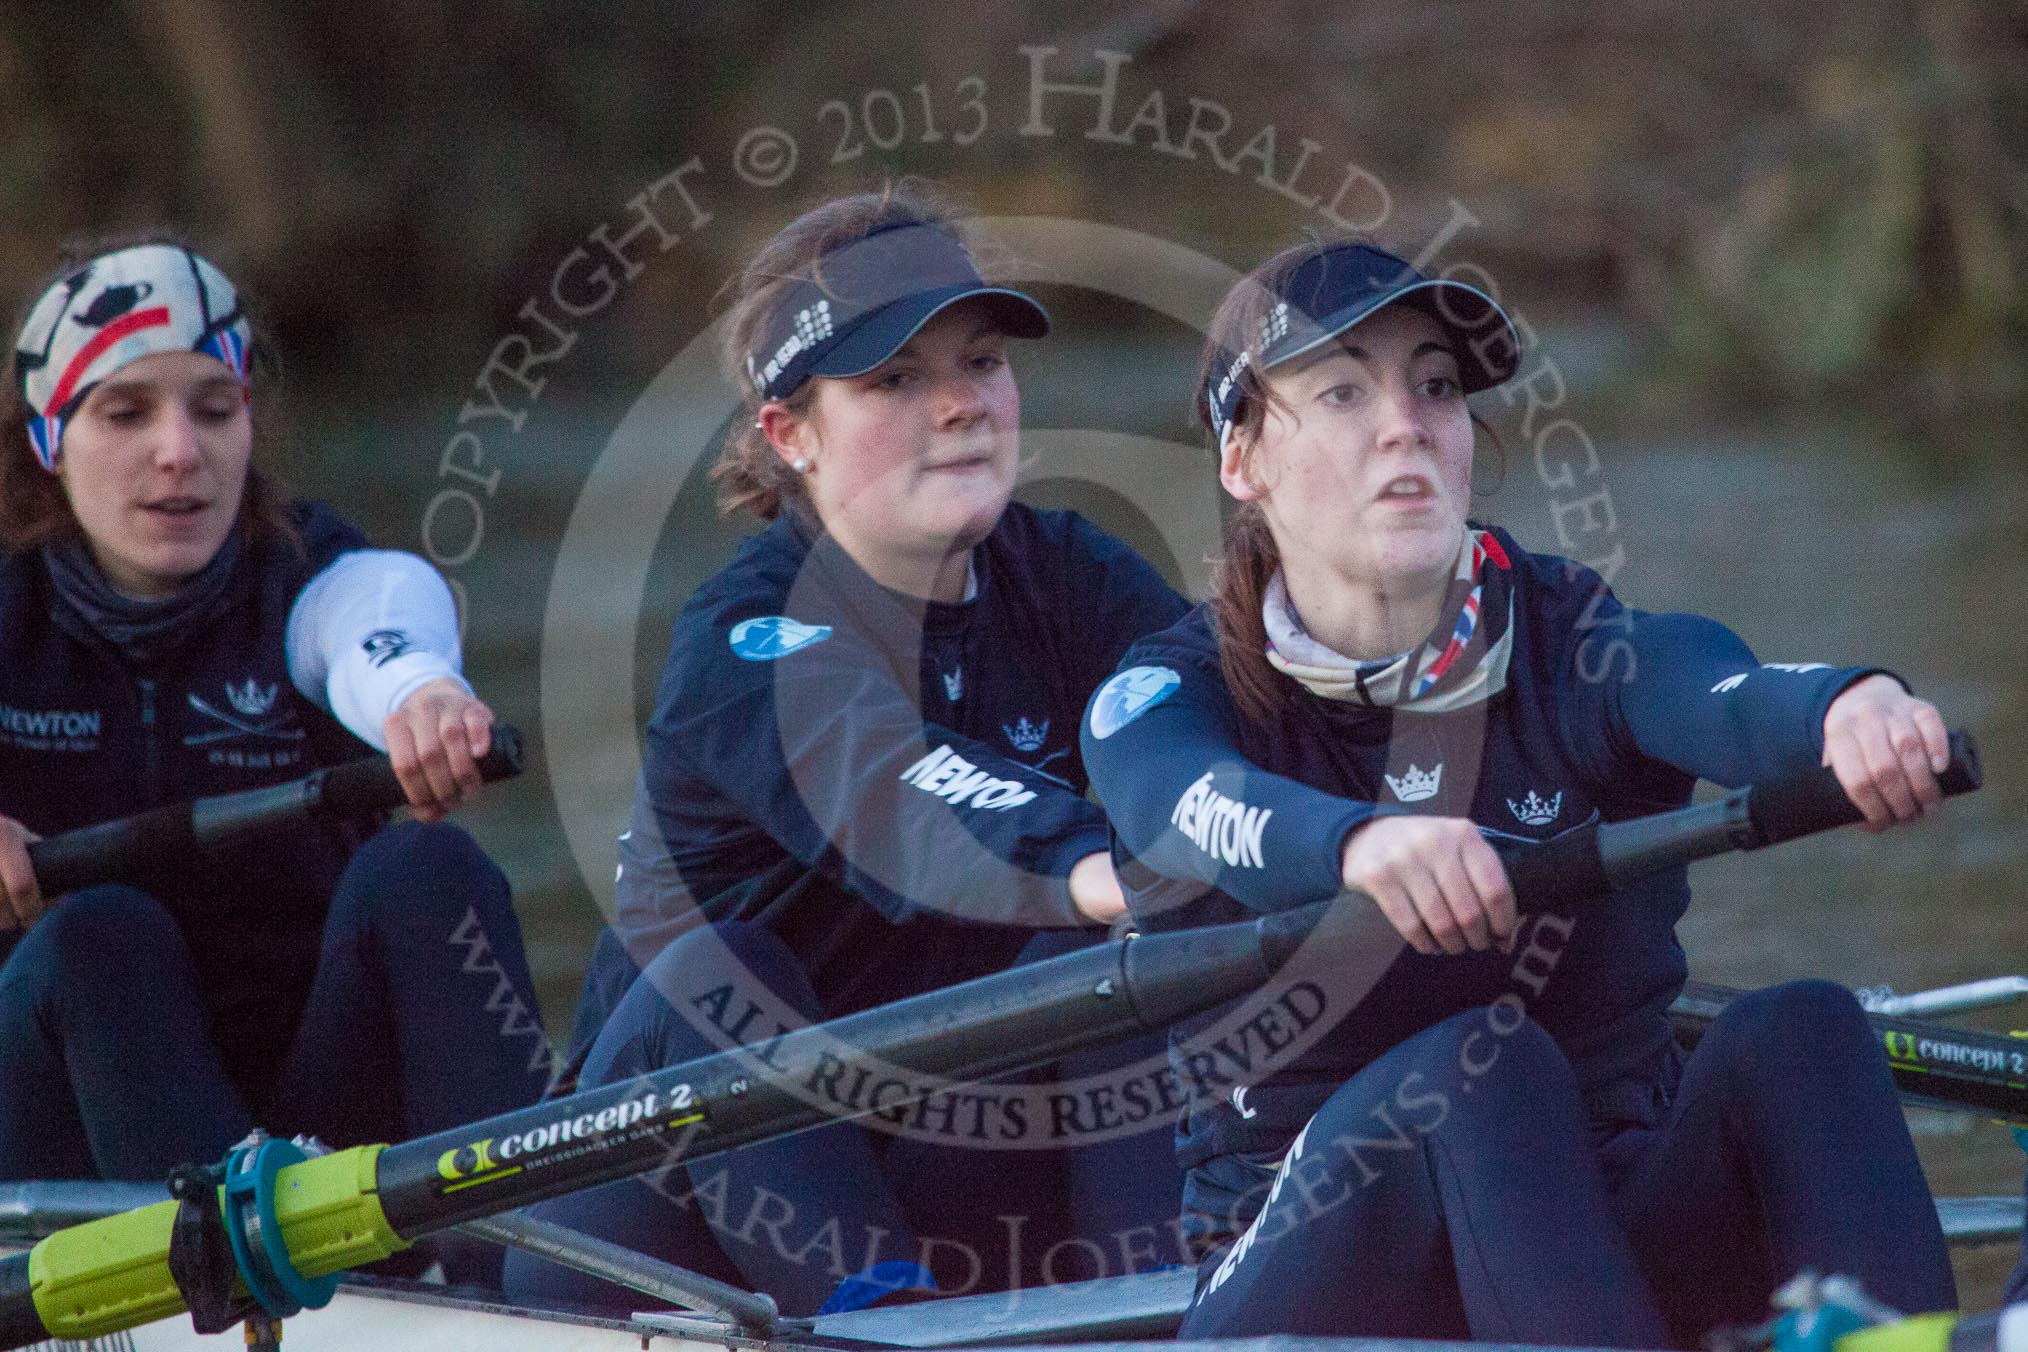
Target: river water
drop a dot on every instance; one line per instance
(1819, 538)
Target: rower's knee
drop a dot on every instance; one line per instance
(1794, 1023)
(734, 964)
(1489, 1059)
(716, 987)
(1818, 1006)
(424, 873)
(1801, 1038)
(100, 932)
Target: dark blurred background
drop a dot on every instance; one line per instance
(1773, 259)
(1786, 199)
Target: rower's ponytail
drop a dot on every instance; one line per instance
(1247, 562)
(1248, 557)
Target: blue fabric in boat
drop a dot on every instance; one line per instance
(420, 1016)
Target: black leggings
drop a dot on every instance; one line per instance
(1451, 1189)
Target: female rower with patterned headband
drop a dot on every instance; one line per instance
(1490, 1145)
(171, 628)
(863, 770)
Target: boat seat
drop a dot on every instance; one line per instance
(1969, 1222)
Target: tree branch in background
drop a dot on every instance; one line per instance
(205, 57)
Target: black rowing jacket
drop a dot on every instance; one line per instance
(1608, 713)
(893, 787)
(86, 737)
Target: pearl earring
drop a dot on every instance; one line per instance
(801, 464)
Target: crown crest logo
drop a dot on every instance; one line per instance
(1026, 736)
(1415, 785)
(251, 699)
(1534, 810)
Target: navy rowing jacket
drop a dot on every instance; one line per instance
(86, 736)
(894, 788)
(1608, 713)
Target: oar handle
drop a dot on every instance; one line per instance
(358, 787)
(1814, 801)
(1557, 871)
(117, 850)
(1592, 860)
(108, 851)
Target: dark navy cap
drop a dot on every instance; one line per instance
(870, 296)
(1339, 286)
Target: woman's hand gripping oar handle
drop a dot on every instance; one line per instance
(1593, 860)
(116, 851)
(368, 785)
(1814, 800)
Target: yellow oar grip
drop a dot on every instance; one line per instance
(1918, 1333)
(112, 1274)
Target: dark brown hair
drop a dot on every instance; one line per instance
(749, 472)
(1248, 557)
(33, 505)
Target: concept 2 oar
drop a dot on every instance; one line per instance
(294, 1222)
(318, 1216)
(120, 850)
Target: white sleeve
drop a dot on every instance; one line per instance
(366, 632)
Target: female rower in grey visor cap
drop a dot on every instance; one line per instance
(862, 779)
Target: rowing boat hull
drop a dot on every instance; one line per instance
(376, 1317)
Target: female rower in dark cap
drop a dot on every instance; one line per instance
(1499, 1139)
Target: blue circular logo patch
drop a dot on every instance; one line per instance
(1129, 695)
(772, 636)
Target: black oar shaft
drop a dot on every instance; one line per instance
(119, 850)
(880, 1058)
